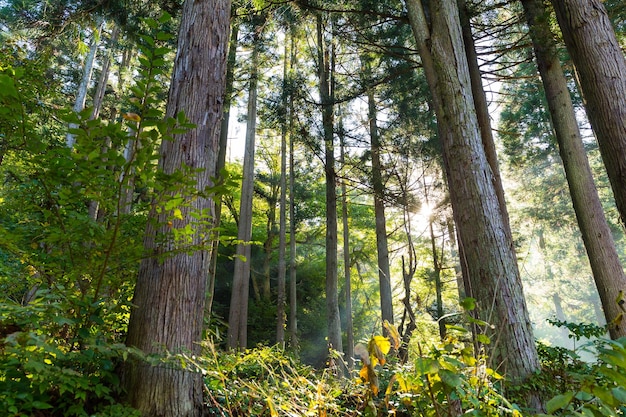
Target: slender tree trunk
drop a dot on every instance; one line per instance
(293, 293)
(491, 262)
(346, 255)
(282, 234)
(293, 285)
(268, 245)
(104, 74)
(601, 67)
(238, 312)
(81, 96)
(605, 264)
(384, 275)
(168, 305)
(221, 157)
(332, 290)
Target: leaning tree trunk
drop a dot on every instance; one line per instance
(221, 159)
(238, 310)
(81, 95)
(603, 258)
(601, 68)
(168, 304)
(492, 268)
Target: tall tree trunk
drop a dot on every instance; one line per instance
(384, 275)
(605, 264)
(482, 109)
(221, 156)
(601, 67)
(238, 311)
(168, 305)
(493, 273)
(268, 245)
(282, 234)
(346, 254)
(293, 293)
(332, 290)
(81, 95)
(104, 74)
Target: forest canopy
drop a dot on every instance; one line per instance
(279, 208)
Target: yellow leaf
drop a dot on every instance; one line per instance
(178, 214)
(393, 334)
(382, 343)
(132, 116)
(273, 412)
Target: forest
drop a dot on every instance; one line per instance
(312, 208)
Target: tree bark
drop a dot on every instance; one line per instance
(81, 95)
(238, 311)
(169, 297)
(601, 68)
(282, 234)
(221, 156)
(332, 294)
(382, 249)
(491, 262)
(293, 293)
(346, 255)
(605, 264)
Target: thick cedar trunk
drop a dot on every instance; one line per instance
(384, 276)
(605, 264)
(169, 297)
(332, 290)
(238, 310)
(492, 268)
(482, 109)
(601, 68)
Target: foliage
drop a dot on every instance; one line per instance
(267, 382)
(601, 391)
(50, 362)
(71, 222)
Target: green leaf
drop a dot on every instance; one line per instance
(483, 338)
(559, 402)
(40, 405)
(468, 303)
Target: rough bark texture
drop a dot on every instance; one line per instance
(605, 264)
(238, 311)
(482, 109)
(492, 268)
(384, 275)
(332, 295)
(601, 68)
(170, 292)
